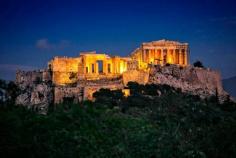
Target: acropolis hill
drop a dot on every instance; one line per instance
(157, 62)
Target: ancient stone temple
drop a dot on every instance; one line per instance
(162, 52)
(92, 66)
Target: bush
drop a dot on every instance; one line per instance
(198, 64)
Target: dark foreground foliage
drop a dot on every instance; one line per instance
(155, 121)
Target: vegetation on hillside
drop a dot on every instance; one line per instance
(198, 64)
(155, 121)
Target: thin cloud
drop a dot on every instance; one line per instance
(44, 44)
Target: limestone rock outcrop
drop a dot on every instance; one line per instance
(197, 81)
(37, 97)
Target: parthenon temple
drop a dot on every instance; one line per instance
(92, 66)
(162, 52)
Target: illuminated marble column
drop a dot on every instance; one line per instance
(105, 66)
(167, 55)
(96, 68)
(160, 61)
(177, 56)
(144, 55)
(180, 57)
(173, 55)
(140, 56)
(171, 59)
(152, 55)
(91, 67)
(162, 57)
(148, 55)
(185, 57)
(111, 67)
(155, 56)
(126, 66)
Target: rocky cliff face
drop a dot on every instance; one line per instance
(36, 96)
(197, 81)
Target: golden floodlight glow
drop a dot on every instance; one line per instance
(92, 66)
(126, 92)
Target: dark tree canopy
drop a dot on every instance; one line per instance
(198, 64)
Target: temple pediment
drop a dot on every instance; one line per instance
(163, 42)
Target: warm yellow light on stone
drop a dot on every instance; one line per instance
(170, 61)
(92, 66)
(126, 92)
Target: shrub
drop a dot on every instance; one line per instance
(198, 64)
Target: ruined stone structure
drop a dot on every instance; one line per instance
(88, 66)
(92, 66)
(158, 62)
(162, 52)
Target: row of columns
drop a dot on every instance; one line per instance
(163, 56)
(116, 66)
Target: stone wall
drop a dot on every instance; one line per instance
(89, 90)
(29, 78)
(84, 92)
(73, 92)
(24, 78)
(64, 70)
(138, 76)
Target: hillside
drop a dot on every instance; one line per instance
(230, 86)
(155, 121)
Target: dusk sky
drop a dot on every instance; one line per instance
(33, 32)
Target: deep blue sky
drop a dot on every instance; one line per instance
(32, 32)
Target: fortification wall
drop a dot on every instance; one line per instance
(89, 90)
(65, 64)
(28, 76)
(73, 92)
(138, 76)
